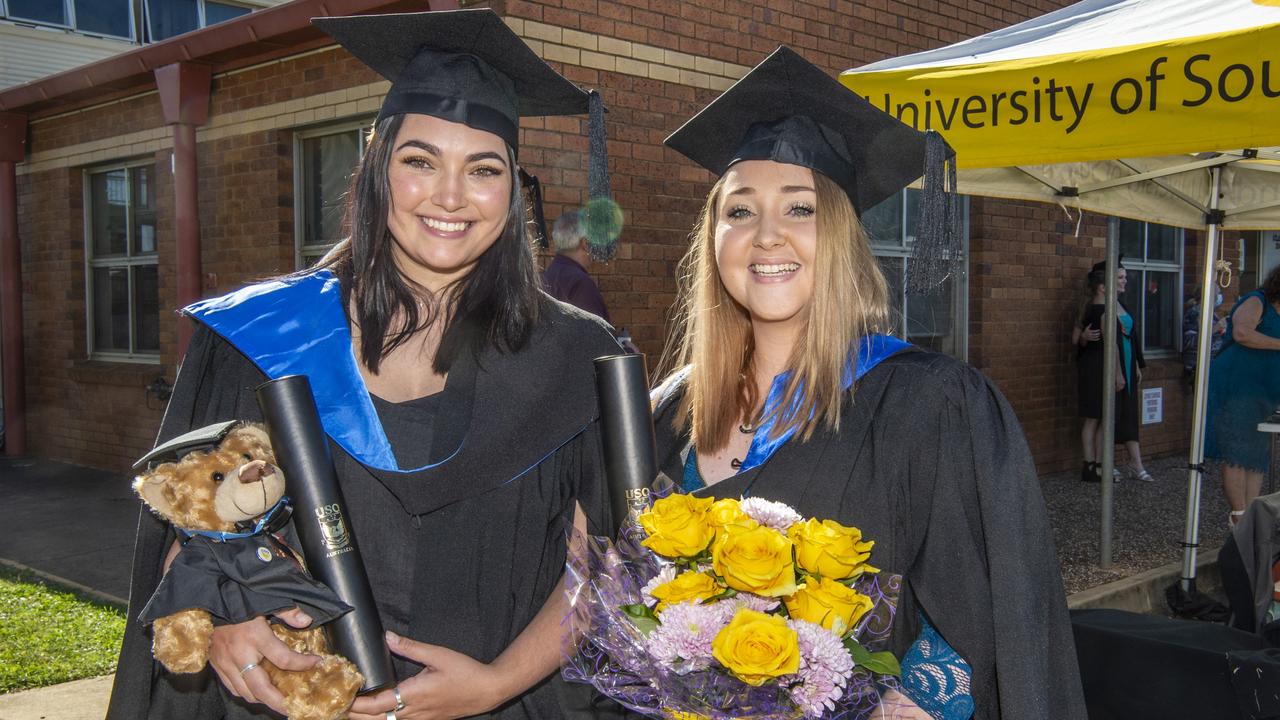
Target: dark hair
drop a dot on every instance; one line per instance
(1098, 273)
(494, 305)
(1271, 286)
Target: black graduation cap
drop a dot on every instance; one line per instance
(467, 66)
(205, 438)
(790, 111)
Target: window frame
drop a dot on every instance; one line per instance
(129, 260)
(69, 10)
(300, 249)
(202, 16)
(1144, 265)
(903, 249)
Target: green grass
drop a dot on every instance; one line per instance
(49, 635)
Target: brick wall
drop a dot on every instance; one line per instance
(657, 62)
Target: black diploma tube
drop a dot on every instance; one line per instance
(320, 517)
(626, 429)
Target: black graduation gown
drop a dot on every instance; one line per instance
(931, 464)
(461, 555)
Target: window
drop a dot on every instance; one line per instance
(167, 18)
(112, 18)
(939, 320)
(324, 160)
(122, 288)
(1153, 260)
(161, 19)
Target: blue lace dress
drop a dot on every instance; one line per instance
(1244, 389)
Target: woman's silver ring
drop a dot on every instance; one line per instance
(391, 715)
(248, 667)
(399, 701)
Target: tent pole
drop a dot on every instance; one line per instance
(1107, 449)
(1195, 464)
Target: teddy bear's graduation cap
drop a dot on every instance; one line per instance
(205, 438)
(790, 111)
(467, 66)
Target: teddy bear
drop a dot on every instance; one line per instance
(220, 489)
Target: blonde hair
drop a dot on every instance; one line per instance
(711, 332)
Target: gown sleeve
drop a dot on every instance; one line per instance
(986, 574)
(215, 382)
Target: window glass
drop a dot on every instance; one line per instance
(48, 11)
(892, 267)
(1130, 237)
(111, 309)
(1162, 243)
(328, 162)
(109, 192)
(146, 308)
(144, 211)
(929, 319)
(167, 18)
(216, 12)
(883, 223)
(1162, 322)
(105, 17)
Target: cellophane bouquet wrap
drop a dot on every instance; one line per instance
(733, 609)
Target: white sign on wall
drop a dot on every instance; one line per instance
(1152, 406)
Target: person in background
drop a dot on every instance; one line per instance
(1087, 336)
(566, 278)
(1191, 331)
(1244, 389)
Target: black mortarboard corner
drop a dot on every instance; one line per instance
(205, 438)
(466, 66)
(790, 111)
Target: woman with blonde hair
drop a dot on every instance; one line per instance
(783, 385)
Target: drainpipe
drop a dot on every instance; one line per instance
(13, 140)
(184, 96)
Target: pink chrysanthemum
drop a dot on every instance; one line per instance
(825, 667)
(665, 575)
(771, 514)
(683, 639)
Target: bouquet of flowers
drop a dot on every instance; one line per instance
(733, 609)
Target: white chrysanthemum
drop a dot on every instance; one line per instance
(825, 668)
(769, 513)
(665, 575)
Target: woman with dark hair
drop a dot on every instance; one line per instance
(1087, 336)
(784, 385)
(1244, 389)
(458, 397)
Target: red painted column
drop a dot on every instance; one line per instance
(184, 97)
(13, 140)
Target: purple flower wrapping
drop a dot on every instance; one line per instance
(672, 671)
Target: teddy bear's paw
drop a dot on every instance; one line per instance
(324, 692)
(181, 641)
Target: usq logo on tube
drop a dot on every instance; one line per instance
(333, 529)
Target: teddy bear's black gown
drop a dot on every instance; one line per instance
(462, 553)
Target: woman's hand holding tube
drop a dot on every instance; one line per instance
(453, 685)
(246, 645)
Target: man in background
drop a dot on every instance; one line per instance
(566, 277)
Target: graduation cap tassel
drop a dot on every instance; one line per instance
(604, 218)
(937, 251)
(530, 183)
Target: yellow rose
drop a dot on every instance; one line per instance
(754, 559)
(829, 604)
(831, 550)
(688, 585)
(726, 512)
(677, 526)
(756, 647)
